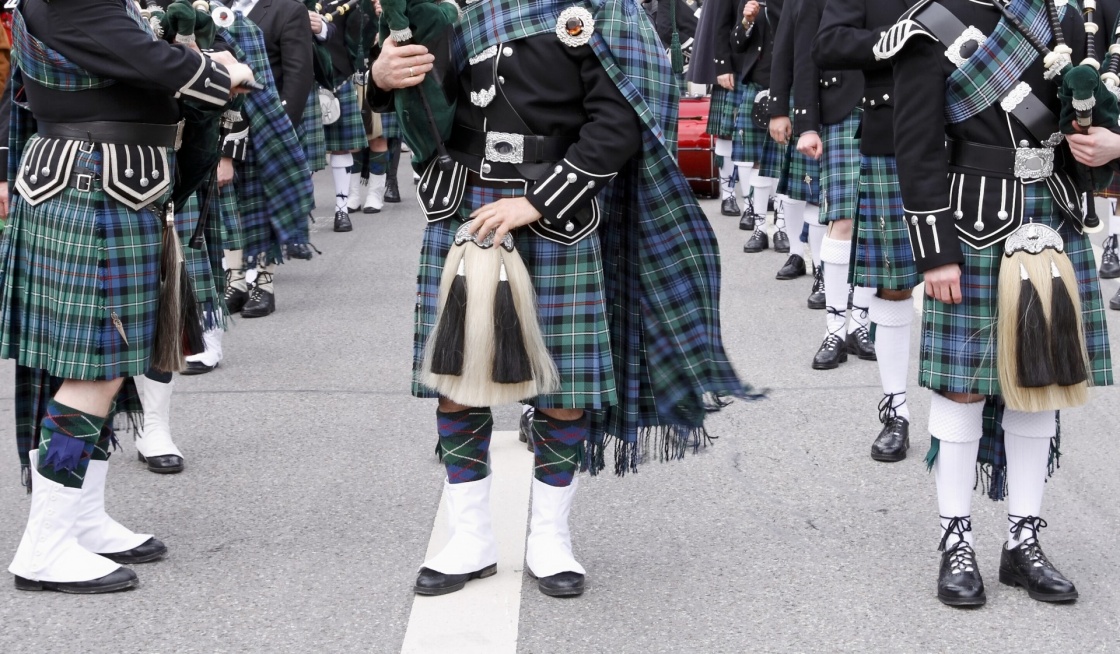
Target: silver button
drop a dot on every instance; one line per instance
(558, 169)
(959, 214)
(501, 80)
(507, 51)
(914, 220)
(570, 227)
(886, 96)
(834, 79)
(591, 184)
(1002, 214)
(931, 220)
(873, 104)
(979, 225)
(485, 168)
(1024, 143)
(572, 178)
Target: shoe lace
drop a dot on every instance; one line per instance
(862, 335)
(887, 408)
(1030, 547)
(831, 342)
(1111, 245)
(962, 558)
(258, 293)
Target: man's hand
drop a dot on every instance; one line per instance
(780, 129)
(502, 217)
(225, 171)
(809, 144)
(316, 22)
(4, 200)
(401, 66)
(727, 81)
(1097, 148)
(943, 283)
(750, 11)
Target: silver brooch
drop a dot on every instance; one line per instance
(575, 26)
(484, 97)
(1033, 238)
(463, 235)
(956, 52)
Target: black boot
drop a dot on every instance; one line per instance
(894, 438)
(750, 218)
(729, 207)
(1110, 259)
(119, 579)
(793, 268)
(235, 297)
(261, 302)
(758, 241)
(392, 191)
(816, 295)
(959, 582)
(860, 344)
(781, 242)
(342, 221)
(1114, 303)
(1027, 566)
(831, 353)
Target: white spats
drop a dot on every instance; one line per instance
(1026, 436)
(726, 169)
(94, 529)
(341, 165)
(357, 191)
(472, 546)
(892, 320)
(212, 355)
(155, 438)
(375, 199)
(549, 549)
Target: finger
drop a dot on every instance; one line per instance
(404, 51)
(955, 292)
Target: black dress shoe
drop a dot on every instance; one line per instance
(893, 440)
(831, 353)
(164, 464)
(1114, 303)
(563, 584)
(146, 552)
(1028, 567)
(729, 207)
(959, 582)
(793, 268)
(525, 428)
(816, 295)
(236, 299)
(392, 191)
(747, 222)
(119, 579)
(1110, 258)
(198, 368)
(781, 242)
(860, 344)
(261, 303)
(758, 241)
(342, 222)
(431, 582)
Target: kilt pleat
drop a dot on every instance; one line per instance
(801, 177)
(840, 169)
(199, 265)
(70, 265)
(346, 134)
(721, 111)
(751, 143)
(391, 125)
(883, 258)
(571, 306)
(311, 134)
(958, 344)
(233, 235)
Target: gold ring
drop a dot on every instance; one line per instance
(410, 72)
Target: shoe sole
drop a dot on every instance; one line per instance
(824, 366)
(348, 229)
(1009, 579)
(963, 603)
(257, 315)
(61, 587)
(1108, 275)
(371, 211)
(199, 371)
(784, 278)
(551, 592)
(160, 471)
(489, 571)
(754, 250)
(893, 458)
(784, 250)
(131, 560)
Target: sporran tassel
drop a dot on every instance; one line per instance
(511, 361)
(167, 350)
(1033, 348)
(447, 353)
(1066, 345)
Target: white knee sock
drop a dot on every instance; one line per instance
(958, 427)
(746, 172)
(835, 255)
(1114, 225)
(726, 169)
(861, 308)
(1026, 437)
(817, 232)
(235, 264)
(892, 320)
(762, 189)
(341, 164)
(793, 217)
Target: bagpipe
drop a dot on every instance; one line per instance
(356, 18)
(1042, 359)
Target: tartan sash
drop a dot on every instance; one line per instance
(998, 64)
(47, 66)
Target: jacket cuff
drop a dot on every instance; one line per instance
(562, 192)
(211, 83)
(933, 238)
(805, 120)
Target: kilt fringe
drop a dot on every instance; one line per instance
(669, 442)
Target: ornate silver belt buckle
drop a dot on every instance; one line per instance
(1034, 163)
(505, 148)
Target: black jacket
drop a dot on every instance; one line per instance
(848, 33)
(753, 51)
(287, 39)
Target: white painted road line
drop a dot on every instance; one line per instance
(483, 616)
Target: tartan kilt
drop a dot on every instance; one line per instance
(798, 169)
(958, 345)
(70, 265)
(253, 208)
(347, 134)
(721, 111)
(840, 168)
(571, 306)
(199, 266)
(883, 258)
(233, 235)
(311, 134)
(750, 142)
(391, 125)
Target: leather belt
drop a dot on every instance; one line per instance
(476, 180)
(1009, 163)
(103, 131)
(525, 148)
(85, 181)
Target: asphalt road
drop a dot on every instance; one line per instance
(311, 490)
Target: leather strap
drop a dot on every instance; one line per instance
(538, 149)
(982, 159)
(104, 131)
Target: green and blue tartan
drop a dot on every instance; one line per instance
(750, 142)
(801, 179)
(840, 168)
(47, 66)
(571, 306)
(273, 181)
(391, 125)
(233, 236)
(312, 134)
(883, 257)
(958, 344)
(722, 108)
(663, 275)
(347, 134)
(200, 263)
